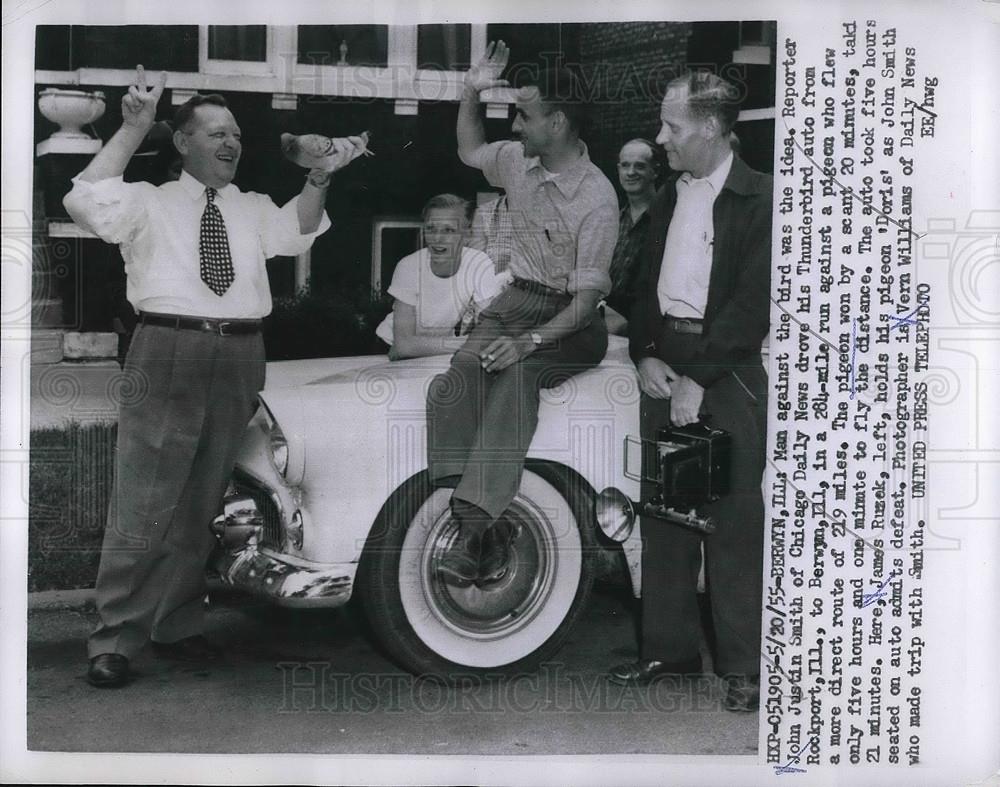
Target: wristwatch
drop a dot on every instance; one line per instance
(319, 178)
(536, 338)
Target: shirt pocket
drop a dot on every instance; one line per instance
(556, 244)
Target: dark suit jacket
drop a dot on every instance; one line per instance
(737, 312)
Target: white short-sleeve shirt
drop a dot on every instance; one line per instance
(441, 302)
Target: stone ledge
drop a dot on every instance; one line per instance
(46, 345)
(71, 145)
(85, 346)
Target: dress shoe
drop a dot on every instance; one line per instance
(495, 557)
(742, 693)
(108, 671)
(642, 672)
(194, 649)
(459, 566)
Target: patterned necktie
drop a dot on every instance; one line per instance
(213, 248)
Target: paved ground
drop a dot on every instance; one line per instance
(310, 681)
(298, 681)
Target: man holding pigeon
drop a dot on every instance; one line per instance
(194, 252)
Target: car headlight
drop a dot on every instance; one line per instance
(276, 442)
(286, 453)
(278, 447)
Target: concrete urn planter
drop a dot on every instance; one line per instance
(70, 109)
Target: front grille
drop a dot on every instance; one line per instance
(274, 533)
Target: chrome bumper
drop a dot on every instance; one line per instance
(290, 582)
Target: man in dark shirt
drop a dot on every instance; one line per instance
(640, 165)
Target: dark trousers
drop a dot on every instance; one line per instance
(480, 425)
(733, 553)
(187, 401)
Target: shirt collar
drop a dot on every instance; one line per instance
(625, 214)
(717, 177)
(567, 181)
(741, 180)
(194, 188)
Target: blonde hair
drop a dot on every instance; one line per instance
(450, 202)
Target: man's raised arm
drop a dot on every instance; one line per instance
(312, 199)
(482, 76)
(138, 116)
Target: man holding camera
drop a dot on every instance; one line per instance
(696, 328)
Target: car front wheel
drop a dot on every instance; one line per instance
(504, 626)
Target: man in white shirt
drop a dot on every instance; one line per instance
(194, 252)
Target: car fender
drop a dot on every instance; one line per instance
(357, 432)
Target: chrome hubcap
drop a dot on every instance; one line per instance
(493, 608)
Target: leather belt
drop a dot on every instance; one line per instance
(684, 324)
(204, 324)
(538, 288)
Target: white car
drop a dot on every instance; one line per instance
(330, 498)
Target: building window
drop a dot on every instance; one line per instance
(538, 45)
(392, 239)
(762, 33)
(237, 42)
(54, 48)
(169, 47)
(444, 47)
(354, 45)
(236, 50)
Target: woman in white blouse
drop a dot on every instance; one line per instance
(439, 289)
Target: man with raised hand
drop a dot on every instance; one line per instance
(700, 314)
(194, 252)
(542, 329)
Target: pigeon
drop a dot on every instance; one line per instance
(314, 151)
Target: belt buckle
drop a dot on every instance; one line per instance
(222, 326)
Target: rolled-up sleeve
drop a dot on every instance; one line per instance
(280, 228)
(595, 243)
(110, 208)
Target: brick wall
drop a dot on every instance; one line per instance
(626, 68)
